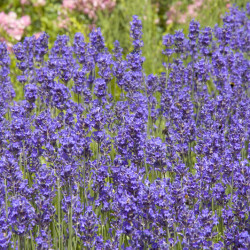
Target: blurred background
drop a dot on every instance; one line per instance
(20, 18)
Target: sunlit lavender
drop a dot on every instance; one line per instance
(99, 155)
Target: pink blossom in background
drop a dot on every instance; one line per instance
(69, 4)
(39, 3)
(14, 27)
(89, 7)
(174, 14)
(37, 35)
(25, 20)
(64, 22)
(23, 2)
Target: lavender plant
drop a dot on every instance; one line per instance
(99, 155)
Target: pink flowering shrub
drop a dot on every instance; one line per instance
(89, 7)
(13, 26)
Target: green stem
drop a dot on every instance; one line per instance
(70, 225)
(59, 211)
(232, 185)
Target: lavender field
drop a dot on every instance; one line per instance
(97, 154)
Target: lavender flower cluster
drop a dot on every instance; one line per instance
(99, 155)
